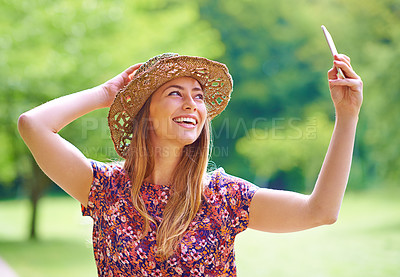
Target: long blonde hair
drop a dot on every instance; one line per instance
(188, 182)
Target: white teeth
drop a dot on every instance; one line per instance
(185, 119)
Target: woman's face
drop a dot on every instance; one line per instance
(177, 113)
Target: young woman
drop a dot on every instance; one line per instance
(161, 213)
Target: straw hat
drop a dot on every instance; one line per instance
(213, 76)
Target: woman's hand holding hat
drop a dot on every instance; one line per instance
(114, 85)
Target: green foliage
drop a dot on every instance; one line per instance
(369, 34)
(378, 41)
(279, 58)
(268, 51)
(275, 51)
(289, 144)
(52, 48)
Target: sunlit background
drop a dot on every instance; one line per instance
(274, 132)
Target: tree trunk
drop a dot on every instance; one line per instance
(34, 203)
(40, 182)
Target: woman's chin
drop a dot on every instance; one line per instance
(187, 141)
(187, 138)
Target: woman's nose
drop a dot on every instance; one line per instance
(189, 103)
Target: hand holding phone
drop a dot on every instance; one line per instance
(332, 47)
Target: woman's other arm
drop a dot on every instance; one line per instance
(58, 158)
(284, 211)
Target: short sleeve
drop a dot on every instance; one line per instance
(102, 185)
(238, 194)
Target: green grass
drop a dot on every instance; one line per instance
(364, 242)
(64, 245)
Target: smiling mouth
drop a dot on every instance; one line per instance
(186, 121)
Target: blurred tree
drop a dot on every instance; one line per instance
(369, 34)
(279, 58)
(268, 53)
(289, 145)
(51, 48)
(377, 40)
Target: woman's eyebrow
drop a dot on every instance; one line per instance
(198, 89)
(181, 88)
(174, 86)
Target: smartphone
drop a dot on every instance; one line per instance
(332, 47)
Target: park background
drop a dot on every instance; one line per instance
(274, 132)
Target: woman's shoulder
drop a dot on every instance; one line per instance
(222, 182)
(219, 177)
(110, 169)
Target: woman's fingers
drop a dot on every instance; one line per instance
(133, 68)
(353, 84)
(127, 74)
(339, 60)
(352, 80)
(332, 73)
(343, 58)
(346, 69)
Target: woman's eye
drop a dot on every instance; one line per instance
(200, 96)
(174, 93)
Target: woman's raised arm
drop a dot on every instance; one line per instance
(59, 159)
(284, 211)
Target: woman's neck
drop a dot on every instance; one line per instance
(165, 161)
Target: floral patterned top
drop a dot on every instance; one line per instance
(207, 247)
